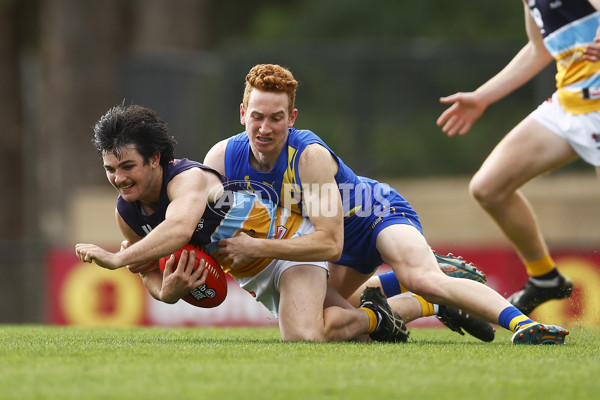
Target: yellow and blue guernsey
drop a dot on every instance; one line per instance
(568, 27)
(236, 211)
(369, 206)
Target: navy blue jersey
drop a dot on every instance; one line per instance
(552, 15)
(236, 211)
(568, 27)
(142, 224)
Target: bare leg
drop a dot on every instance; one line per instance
(408, 307)
(529, 150)
(346, 280)
(303, 291)
(405, 250)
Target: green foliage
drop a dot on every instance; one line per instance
(389, 19)
(42, 362)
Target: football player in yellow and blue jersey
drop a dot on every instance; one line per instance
(165, 203)
(359, 223)
(564, 127)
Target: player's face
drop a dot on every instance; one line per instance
(267, 120)
(133, 179)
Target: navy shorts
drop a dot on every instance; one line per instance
(382, 207)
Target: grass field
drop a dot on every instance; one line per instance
(49, 362)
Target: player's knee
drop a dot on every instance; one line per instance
(337, 322)
(303, 336)
(303, 332)
(429, 286)
(482, 192)
(424, 288)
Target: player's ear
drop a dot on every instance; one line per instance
(155, 159)
(292, 118)
(242, 114)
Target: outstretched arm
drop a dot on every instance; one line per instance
(176, 281)
(188, 194)
(466, 108)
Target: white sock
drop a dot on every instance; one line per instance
(546, 283)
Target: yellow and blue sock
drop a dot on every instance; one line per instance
(512, 319)
(390, 285)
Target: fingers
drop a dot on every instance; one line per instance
(460, 126)
(202, 279)
(444, 117)
(187, 264)
(448, 99)
(125, 244)
(466, 127)
(225, 260)
(449, 113)
(200, 274)
(592, 53)
(143, 267)
(454, 121)
(222, 255)
(452, 126)
(83, 252)
(169, 265)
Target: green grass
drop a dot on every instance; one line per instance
(46, 362)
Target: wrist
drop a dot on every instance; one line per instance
(167, 298)
(257, 244)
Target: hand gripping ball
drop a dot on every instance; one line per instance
(214, 291)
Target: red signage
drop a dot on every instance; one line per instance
(85, 294)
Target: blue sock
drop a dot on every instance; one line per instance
(390, 284)
(512, 319)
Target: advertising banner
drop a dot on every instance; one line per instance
(85, 294)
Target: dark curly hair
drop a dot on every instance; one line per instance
(126, 125)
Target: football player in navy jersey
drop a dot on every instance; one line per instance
(561, 129)
(358, 227)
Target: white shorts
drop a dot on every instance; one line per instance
(582, 131)
(265, 285)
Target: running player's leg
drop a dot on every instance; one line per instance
(528, 151)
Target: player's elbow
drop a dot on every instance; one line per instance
(335, 248)
(182, 235)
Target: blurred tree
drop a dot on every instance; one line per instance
(159, 24)
(10, 120)
(80, 43)
(12, 158)
(390, 20)
(236, 19)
